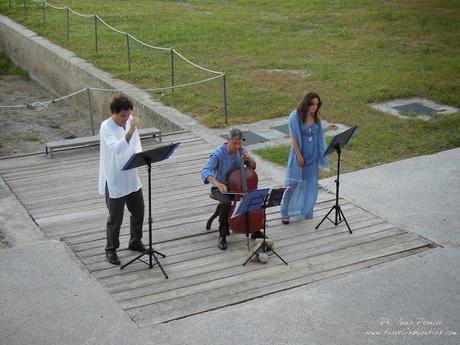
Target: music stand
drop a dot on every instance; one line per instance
(261, 199)
(337, 143)
(147, 158)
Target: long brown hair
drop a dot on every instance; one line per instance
(306, 101)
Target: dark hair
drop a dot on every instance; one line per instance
(120, 103)
(306, 101)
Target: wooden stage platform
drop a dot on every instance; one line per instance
(61, 196)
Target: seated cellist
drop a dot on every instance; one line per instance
(223, 160)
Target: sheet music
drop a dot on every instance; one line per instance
(252, 200)
(276, 196)
(236, 209)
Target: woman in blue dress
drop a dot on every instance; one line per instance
(305, 159)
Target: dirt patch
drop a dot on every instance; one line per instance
(25, 130)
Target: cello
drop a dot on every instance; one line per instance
(240, 182)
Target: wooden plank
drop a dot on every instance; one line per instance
(153, 287)
(162, 215)
(269, 283)
(174, 237)
(166, 232)
(160, 184)
(68, 178)
(210, 259)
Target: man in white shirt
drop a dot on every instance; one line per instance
(119, 141)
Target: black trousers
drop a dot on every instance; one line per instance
(225, 202)
(135, 204)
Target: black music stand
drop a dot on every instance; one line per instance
(147, 158)
(261, 199)
(337, 143)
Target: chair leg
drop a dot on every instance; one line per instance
(214, 216)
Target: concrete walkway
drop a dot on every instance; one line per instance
(48, 298)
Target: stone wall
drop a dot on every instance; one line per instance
(62, 72)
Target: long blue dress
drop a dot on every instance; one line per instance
(300, 198)
(310, 170)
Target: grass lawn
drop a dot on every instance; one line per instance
(351, 52)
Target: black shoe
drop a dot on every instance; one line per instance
(112, 257)
(138, 247)
(257, 234)
(285, 221)
(222, 243)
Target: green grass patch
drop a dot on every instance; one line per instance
(8, 68)
(351, 52)
(278, 154)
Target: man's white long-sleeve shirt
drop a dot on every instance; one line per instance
(114, 153)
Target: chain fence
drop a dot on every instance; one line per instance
(86, 109)
(47, 13)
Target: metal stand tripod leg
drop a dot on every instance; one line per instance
(153, 259)
(264, 246)
(339, 216)
(324, 218)
(344, 219)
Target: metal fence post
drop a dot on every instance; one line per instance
(172, 69)
(95, 31)
(25, 8)
(67, 23)
(225, 99)
(129, 51)
(9, 5)
(88, 93)
(44, 14)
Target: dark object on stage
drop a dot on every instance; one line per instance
(336, 145)
(147, 158)
(261, 199)
(150, 156)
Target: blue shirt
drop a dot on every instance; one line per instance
(220, 164)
